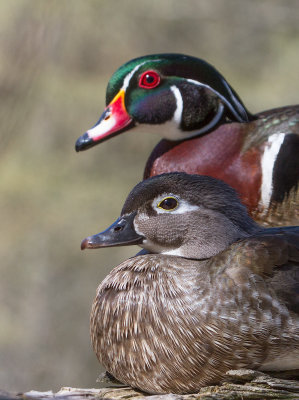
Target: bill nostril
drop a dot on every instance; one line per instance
(118, 228)
(107, 114)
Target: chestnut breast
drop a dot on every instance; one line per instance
(218, 154)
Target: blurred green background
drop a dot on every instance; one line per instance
(56, 57)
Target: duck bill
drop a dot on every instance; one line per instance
(120, 233)
(114, 120)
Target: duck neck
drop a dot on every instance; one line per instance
(212, 235)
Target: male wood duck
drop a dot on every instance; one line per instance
(207, 130)
(219, 292)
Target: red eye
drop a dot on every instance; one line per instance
(149, 80)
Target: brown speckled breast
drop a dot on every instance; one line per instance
(168, 324)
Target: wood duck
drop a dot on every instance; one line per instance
(207, 130)
(217, 291)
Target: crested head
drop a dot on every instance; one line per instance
(197, 190)
(178, 214)
(173, 66)
(190, 216)
(184, 94)
(174, 69)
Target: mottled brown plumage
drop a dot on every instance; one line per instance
(178, 320)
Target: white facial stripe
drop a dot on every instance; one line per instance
(221, 97)
(267, 164)
(183, 207)
(177, 116)
(130, 74)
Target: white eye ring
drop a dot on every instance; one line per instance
(168, 203)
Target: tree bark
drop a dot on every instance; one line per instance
(240, 385)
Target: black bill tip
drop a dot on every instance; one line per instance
(84, 142)
(120, 233)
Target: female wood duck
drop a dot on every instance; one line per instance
(206, 130)
(220, 293)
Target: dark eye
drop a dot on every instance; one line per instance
(149, 80)
(169, 203)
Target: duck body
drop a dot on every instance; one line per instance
(206, 129)
(163, 326)
(219, 293)
(261, 167)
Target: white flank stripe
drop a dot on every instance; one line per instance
(268, 160)
(177, 116)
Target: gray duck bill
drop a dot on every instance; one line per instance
(120, 233)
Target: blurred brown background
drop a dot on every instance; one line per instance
(56, 57)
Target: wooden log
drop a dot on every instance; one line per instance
(240, 385)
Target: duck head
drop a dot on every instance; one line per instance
(175, 95)
(191, 216)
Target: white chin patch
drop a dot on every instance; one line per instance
(173, 252)
(154, 248)
(151, 247)
(169, 130)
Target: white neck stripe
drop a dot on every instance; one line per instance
(221, 97)
(235, 99)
